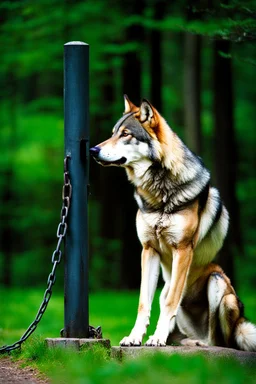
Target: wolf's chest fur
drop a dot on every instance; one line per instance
(169, 205)
(181, 210)
(163, 231)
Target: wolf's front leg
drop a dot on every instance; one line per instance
(150, 262)
(171, 297)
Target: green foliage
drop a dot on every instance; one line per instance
(31, 144)
(115, 312)
(31, 116)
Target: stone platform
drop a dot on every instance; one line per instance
(75, 343)
(121, 353)
(209, 352)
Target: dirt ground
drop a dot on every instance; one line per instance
(11, 373)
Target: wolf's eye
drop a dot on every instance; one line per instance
(125, 133)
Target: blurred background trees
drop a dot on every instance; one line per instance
(195, 60)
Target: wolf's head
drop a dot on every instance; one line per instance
(140, 135)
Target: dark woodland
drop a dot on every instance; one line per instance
(194, 60)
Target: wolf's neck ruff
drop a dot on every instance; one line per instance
(159, 190)
(170, 176)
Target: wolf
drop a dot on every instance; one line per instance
(181, 224)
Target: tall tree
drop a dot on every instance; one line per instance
(156, 59)
(192, 85)
(7, 232)
(108, 175)
(8, 195)
(130, 267)
(103, 181)
(225, 149)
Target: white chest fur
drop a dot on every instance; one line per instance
(160, 231)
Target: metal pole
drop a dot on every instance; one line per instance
(76, 125)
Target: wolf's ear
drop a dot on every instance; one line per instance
(148, 113)
(128, 105)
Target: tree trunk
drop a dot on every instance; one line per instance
(130, 265)
(105, 185)
(6, 235)
(192, 83)
(8, 197)
(225, 151)
(109, 176)
(156, 60)
(192, 92)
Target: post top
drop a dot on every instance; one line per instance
(76, 43)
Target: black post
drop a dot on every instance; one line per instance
(76, 124)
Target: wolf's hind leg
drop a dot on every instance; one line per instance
(229, 313)
(150, 263)
(224, 310)
(216, 289)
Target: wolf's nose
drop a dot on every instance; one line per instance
(94, 151)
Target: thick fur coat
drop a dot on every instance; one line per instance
(181, 223)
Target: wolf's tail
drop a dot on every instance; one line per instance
(245, 335)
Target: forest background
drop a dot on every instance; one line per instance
(194, 60)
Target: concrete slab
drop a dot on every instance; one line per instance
(209, 352)
(76, 343)
(121, 353)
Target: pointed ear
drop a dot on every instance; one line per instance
(148, 113)
(128, 105)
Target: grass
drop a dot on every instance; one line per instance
(115, 312)
(65, 366)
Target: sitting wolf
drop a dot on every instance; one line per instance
(181, 223)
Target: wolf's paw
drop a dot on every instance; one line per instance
(130, 341)
(155, 341)
(193, 343)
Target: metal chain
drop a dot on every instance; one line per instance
(56, 259)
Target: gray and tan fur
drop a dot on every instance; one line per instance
(181, 223)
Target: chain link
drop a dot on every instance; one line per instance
(56, 259)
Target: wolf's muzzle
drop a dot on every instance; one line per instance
(94, 151)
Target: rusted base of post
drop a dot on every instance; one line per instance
(76, 344)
